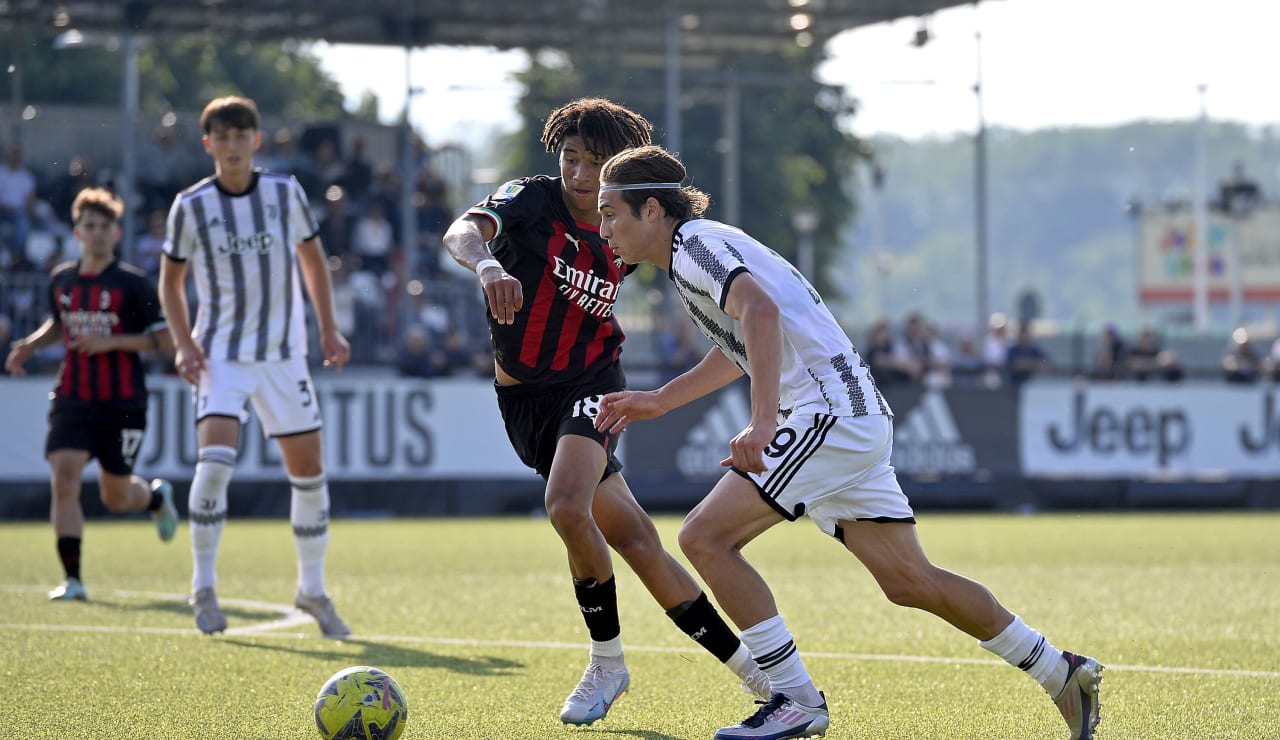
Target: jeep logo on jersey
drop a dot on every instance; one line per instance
(261, 243)
(927, 440)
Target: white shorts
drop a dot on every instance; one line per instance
(833, 468)
(283, 396)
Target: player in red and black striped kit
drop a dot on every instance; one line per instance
(550, 282)
(105, 312)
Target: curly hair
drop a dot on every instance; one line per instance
(606, 128)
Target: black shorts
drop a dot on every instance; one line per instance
(114, 437)
(537, 416)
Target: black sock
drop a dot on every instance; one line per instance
(599, 605)
(700, 620)
(156, 501)
(69, 554)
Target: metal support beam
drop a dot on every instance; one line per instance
(731, 141)
(672, 80)
(126, 188)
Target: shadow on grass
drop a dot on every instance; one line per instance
(235, 614)
(382, 654)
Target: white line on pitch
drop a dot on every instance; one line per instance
(292, 617)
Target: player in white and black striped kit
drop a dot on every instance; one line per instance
(819, 443)
(250, 239)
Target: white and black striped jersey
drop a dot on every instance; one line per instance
(242, 252)
(819, 364)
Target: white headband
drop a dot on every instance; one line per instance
(606, 187)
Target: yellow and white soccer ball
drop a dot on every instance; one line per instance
(361, 703)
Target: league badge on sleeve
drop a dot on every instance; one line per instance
(508, 190)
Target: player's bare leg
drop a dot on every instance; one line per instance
(571, 486)
(66, 468)
(712, 537)
(575, 472)
(629, 531)
(895, 558)
(125, 493)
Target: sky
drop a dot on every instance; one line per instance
(1044, 63)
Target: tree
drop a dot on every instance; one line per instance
(793, 151)
(175, 74)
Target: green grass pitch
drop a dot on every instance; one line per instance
(475, 618)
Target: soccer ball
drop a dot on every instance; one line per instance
(361, 703)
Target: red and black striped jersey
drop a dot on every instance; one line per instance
(566, 330)
(118, 300)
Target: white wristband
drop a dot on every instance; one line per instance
(485, 264)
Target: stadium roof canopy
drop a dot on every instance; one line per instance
(635, 32)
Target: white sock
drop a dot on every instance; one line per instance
(775, 651)
(207, 511)
(741, 662)
(1025, 648)
(608, 653)
(309, 515)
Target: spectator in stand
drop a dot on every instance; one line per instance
(1111, 361)
(358, 175)
(165, 167)
(995, 350)
(386, 189)
(373, 239)
(1141, 360)
(63, 190)
(1026, 359)
(46, 239)
(1275, 360)
(457, 349)
(927, 351)
(420, 356)
(1241, 362)
(329, 165)
(286, 159)
(150, 245)
(281, 155)
(434, 216)
(17, 203)
(23, 303)
(337, 223)
(481, 363)
(1169, 367)
(968, 366)
(1239, 195)
(890, 363)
